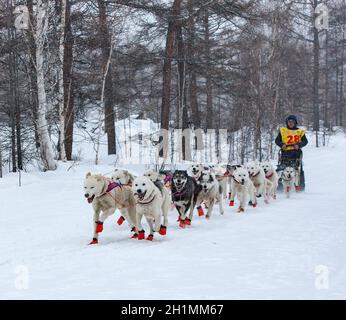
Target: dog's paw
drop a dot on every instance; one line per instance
(254, 204)
(207, 217)
(141, 235)
(99, 227)
(134, 236)
(231, 203)
(120, 220)
(93, 241)
(188, 221)
(150, 237)
(163, 230)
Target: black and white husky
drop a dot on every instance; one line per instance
(185, 191)
(211, 193)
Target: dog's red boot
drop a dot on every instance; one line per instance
(200, 211)
(163, 230)
(298, 188)
(99, 226)
(93, 241)
(231, 203)
(254, 204)
(133, 229)
(178, 219)
(182, 224)
(141, 235)
(150, 237)
(187, 221)
(134, 236)
(120, 220)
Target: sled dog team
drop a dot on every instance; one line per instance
(152, 194)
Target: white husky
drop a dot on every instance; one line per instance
(150, 202)
(272, 176)
(211, 192)
(123, 177)
(242, 187)
(107, 196)
(288, 177)
(259, 180)
(196, 170)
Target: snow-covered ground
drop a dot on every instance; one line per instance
(291, 248)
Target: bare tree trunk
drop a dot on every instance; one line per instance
(167, 66)
(342, 98)
(316, 74)
(68, 83)
(192, 67)
(326, 90)
(107, 97)
(167, 77)
(61, 95)
(46, 148)
(12, 93)
(32, 71)
(209, 106)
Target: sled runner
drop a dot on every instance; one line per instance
(289, 160)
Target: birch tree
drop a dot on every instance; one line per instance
(62, 152)
(45, 143)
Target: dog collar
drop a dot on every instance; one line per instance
(270, 175)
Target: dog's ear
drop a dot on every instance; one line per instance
(88, 175)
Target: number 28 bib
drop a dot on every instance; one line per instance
(291, 137)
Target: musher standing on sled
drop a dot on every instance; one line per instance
(291, 140)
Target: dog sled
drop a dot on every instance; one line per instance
(286, 160)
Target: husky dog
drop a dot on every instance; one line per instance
(288, 177)
(185, 191)
(221, 175)
(122, 177)
(211, 192)
(229, 173)
(151, 203)
(259, 180)
(196, 170)
(107, 196)
(242, 187)
(159, 180)
(272, 176)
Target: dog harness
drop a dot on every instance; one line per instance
(255, 175)
(291, 137)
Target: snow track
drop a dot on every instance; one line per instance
(272, 251)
